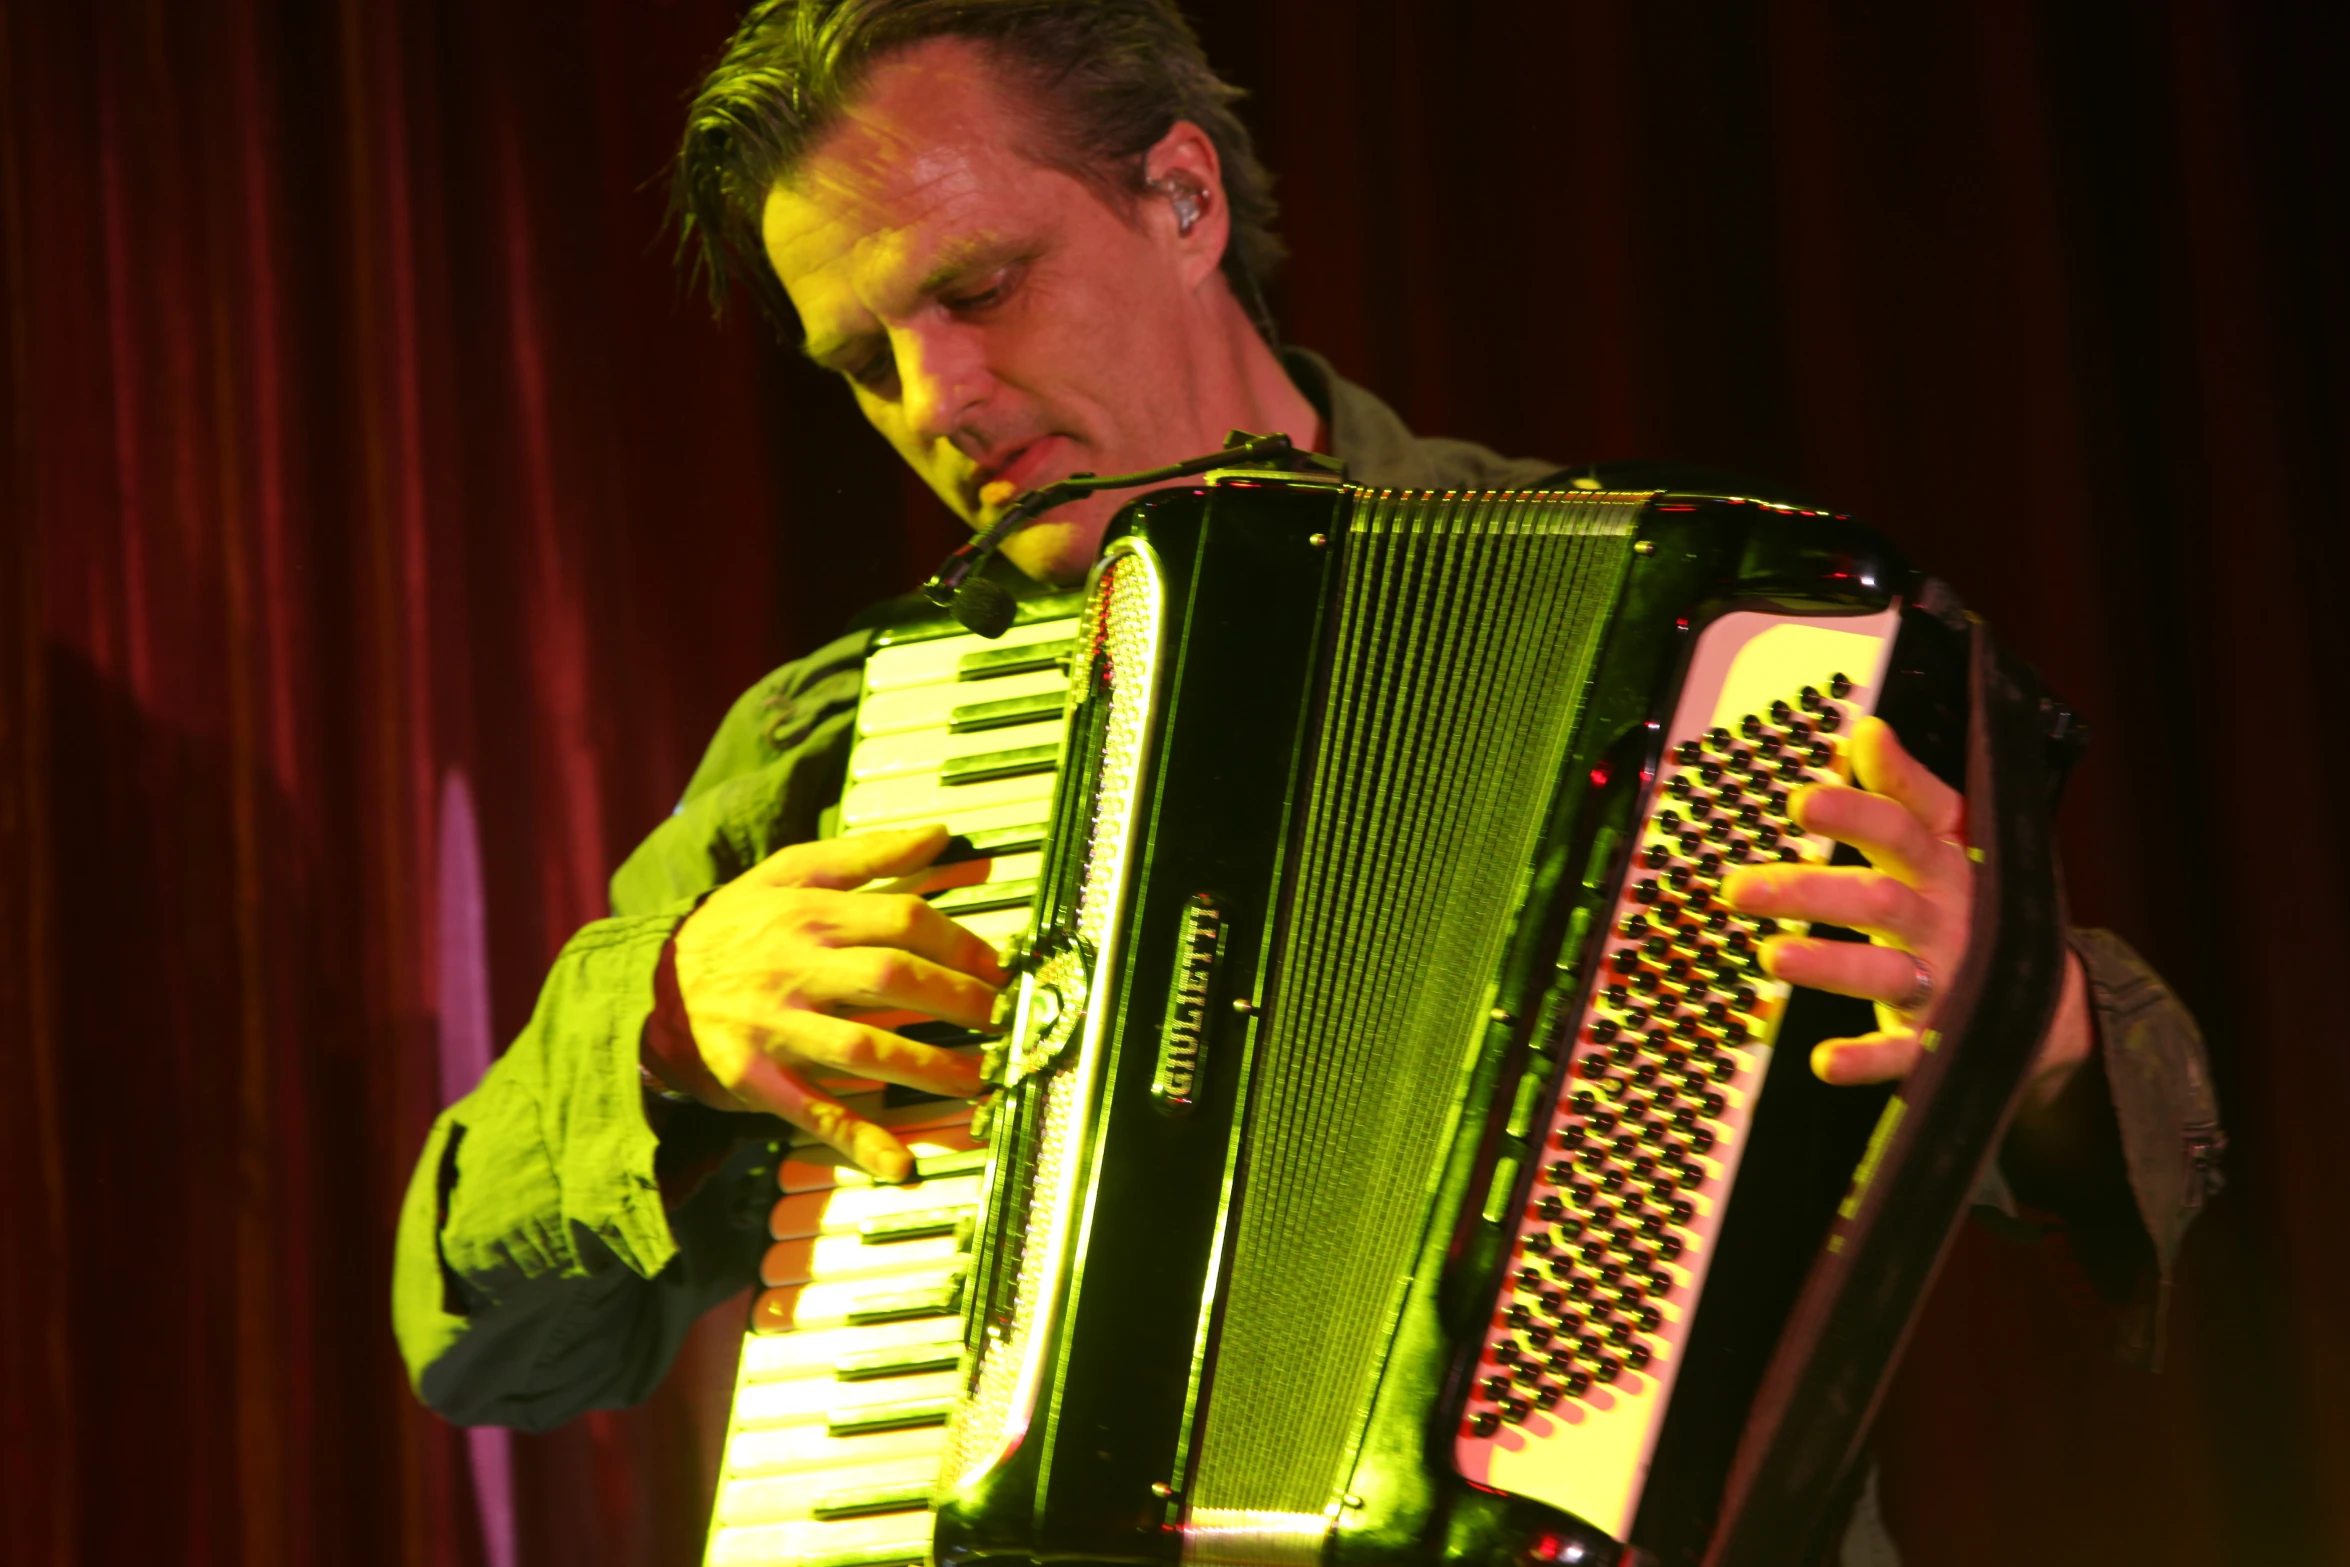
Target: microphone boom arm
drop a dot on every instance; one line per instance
(986, 608)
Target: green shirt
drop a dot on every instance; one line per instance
(540, 1272)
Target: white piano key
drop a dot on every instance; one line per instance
(817, 1168)
(777, 1449)
(968, 807)
(905, 1120)
(792, 1399)
(926, 750)
(999, 928)
(882, 1539)
(790, 1497)
(932, 706)
(767, 1356)
(1016, 867)
(844, 1208)
(1022, 813)
(827, 1304)
(850, 1256)
(934, 662)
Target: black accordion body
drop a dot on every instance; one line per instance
(1399, 1153)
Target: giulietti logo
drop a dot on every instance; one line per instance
(1183, 1041)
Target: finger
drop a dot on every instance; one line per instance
(1894, 838)
(843, 863)
(938, 878)
(1882, 765)
(1872, 1058)
(840, 1044)
(1844, 968)
(902, 921)
(882, 979)
(766, 1084)
(1868, 901)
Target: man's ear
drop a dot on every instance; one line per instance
(1185, 201)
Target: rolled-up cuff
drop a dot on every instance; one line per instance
(2164, 1108)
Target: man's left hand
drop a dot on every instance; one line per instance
(1914, 901)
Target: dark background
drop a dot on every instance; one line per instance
(367, 478)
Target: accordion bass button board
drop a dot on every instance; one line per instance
(1612, 1242)
(1397, 1152)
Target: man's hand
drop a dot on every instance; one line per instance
(796, 971)
(1914, 903)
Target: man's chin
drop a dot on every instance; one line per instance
(1059, 553)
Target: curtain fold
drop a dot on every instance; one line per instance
(364, 454)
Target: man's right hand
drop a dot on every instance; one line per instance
(798, 969)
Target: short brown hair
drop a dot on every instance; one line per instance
(1107, 78)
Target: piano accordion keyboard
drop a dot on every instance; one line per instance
(850, 1368)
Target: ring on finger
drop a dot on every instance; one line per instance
(1921, 988)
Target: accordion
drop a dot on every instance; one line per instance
(1397, 1152)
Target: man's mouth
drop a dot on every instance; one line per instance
(1020, 469)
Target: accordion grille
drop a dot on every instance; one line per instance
(1467, 630)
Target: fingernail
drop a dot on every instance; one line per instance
(881, 1156)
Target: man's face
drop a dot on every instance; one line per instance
(999, 322)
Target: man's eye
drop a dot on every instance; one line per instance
(988, 296)
(875, 371)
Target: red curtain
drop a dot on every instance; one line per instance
(385, 530)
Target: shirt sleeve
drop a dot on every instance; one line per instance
(539, 1272)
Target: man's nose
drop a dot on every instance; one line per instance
(943, 377)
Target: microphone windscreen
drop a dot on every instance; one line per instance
(985, 608)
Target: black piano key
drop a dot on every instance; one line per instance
(980, 897)
(913, 1226)
(861, 1501)
(898, 1306)
(989, 663)
(988, 766)
(946, 1036)
(893, 1095)
(903, 1360)
(971, 717)
(895, 1416)
(987, 844)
